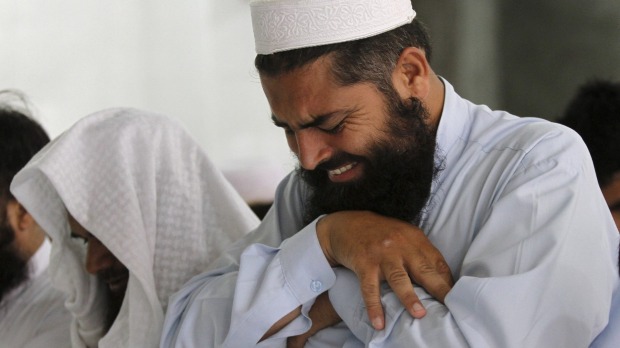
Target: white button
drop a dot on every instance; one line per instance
(316, 286)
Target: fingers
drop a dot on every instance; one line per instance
(398, 279)
(371, 294)
(379, 248)
(433, 275)
(425, 265)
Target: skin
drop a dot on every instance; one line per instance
(611, 192)
(28, 235)
(100, 261)
(322, 314)
(322, 119)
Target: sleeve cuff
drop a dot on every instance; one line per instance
(304, 265)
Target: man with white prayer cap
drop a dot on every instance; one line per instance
(134, 209)
(416, 218)
(32, 312)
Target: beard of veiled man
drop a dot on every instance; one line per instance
(100, 261)
(400, 170)
(13, 267)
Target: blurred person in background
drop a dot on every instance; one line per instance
(594, 113)
(32, 312)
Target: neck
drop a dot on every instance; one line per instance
(435, 100)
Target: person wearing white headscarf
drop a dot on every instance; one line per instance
(145, 190)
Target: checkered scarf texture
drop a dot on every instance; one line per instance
(141, 185)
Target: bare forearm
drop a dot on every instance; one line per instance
(282, 323)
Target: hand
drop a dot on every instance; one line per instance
(322, 315)
(379, 248)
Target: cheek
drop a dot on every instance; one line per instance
(353, 143)
(616, 215)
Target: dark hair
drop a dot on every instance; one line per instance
(21, 137)
(594, 113)
(366, 60)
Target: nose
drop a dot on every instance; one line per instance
(312, 149)
(98, 257)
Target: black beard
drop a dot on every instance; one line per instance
(115, 301)
(398, 173)
(13, 268)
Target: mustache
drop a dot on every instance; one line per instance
(114, 273)
(336, 161)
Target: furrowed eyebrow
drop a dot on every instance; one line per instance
(316, 122)
(278, 123)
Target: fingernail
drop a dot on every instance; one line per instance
(417, 307)
(377, 323)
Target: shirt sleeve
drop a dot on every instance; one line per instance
(235, 305)
(537, 274)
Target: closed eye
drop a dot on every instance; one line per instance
(288, 131)
(77, 236)
(334, 130)
(282, 125)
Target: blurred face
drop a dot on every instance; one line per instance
(611, 192)
(100, 261)
(13, 269)
(357, 148)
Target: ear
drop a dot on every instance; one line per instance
(411, 76)
(19, 219)
(28, 234)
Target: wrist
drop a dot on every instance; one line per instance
(323, 235)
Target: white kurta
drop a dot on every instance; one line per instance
(517, 214)
(34, 314)
(610, 337)
(142, 186)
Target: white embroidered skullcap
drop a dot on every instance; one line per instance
(281, 25)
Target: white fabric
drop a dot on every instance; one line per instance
(147, 191)
(516, 212)
(34, 314)
(281, 25)
(610, 337)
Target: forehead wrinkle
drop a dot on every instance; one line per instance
(317, 120)
(305, 93)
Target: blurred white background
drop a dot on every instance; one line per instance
(191, 60)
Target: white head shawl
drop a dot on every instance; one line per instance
(145, 189)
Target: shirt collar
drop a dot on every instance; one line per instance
(453, 125)
(453, 121)
(41, 258)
